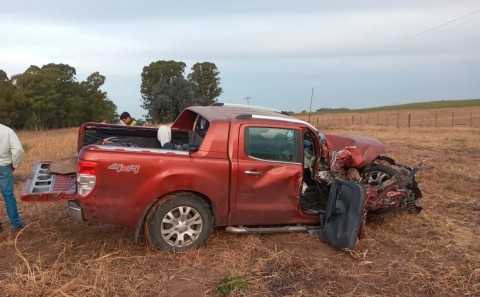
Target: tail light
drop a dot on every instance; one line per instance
(86, 177)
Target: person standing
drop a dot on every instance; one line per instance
(128, 120)
(11, 153)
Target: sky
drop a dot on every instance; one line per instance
(288, 55)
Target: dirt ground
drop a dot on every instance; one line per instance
(435, 253)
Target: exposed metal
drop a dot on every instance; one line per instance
(75, 210)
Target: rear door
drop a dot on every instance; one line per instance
(44, 185)
(344, 214)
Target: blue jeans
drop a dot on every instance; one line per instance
(6, 185)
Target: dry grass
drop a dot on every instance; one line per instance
(461, 117)
(435, 253)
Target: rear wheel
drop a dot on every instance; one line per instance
(179, 223)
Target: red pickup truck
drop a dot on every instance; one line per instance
(249, 169)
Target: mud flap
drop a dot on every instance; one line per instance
(138, 229)
(343, 214)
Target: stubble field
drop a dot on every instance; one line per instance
(436, 253)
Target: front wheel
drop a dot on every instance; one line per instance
(376, 175)
(179, 223)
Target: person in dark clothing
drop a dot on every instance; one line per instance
(128, 120)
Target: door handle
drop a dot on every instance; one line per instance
(254, 173)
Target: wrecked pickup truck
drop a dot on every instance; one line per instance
(249, 169)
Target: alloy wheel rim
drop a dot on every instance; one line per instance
(181, 226)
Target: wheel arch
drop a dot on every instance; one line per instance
(205, 198)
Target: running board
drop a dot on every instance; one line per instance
(283, 229)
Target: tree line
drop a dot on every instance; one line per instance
(50, 96)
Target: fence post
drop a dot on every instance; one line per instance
(452, 119)
(470, 119)
(398, 120)
(409, 120)
(436, 119)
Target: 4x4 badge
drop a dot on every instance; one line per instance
(124, 168)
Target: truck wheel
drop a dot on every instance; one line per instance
(180, 223)
(375, 175)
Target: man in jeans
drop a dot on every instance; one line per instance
(11, 153)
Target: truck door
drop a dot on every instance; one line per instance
(343, 215)
(268, 176)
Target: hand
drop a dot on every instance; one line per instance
(13, 168)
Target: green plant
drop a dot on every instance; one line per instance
(233, 285)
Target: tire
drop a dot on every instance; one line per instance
(179, 223)
(375, 175)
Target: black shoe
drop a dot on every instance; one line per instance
(20, 227)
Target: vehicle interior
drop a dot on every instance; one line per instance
(314, 194)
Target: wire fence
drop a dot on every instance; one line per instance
(425, 119)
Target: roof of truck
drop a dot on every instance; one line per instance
(231, 112)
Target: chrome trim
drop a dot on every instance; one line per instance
(139, 149)
(272, 161)
(75, 210)
(280, 229)
(284, 119)
(247, 106)
(255, 173)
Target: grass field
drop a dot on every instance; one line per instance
(461, 117)
(436, 253)
(418, 106)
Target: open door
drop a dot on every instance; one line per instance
(343, 214)
(44, 185)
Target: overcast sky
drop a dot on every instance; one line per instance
(354, 54)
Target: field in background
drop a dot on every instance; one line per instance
(435, 253)
(462, 117)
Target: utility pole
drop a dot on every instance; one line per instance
(248, 99)
(311, 99)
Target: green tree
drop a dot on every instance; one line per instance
(166, 92)
(98, 106)
(205, 76)
(6, 92)
(157, 71)
(50, 97)
(3, 76)
(170, 98)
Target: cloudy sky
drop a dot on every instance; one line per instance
(354, 54)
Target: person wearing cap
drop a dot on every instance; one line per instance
(11, 153)
(128, 120)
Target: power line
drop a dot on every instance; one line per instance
(404, 40)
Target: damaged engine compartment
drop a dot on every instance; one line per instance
(356, 158)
